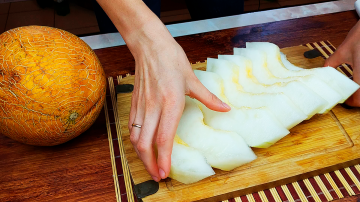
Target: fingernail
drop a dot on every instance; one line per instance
(226, 105)
(155, 178)
(162, 173)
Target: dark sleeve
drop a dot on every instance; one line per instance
(205, 9)
(104, 22)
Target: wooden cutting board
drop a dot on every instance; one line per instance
(322, 144)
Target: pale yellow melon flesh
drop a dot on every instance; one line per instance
(308, 101)
(187, 164)
(276, 67)
(288, 114)
(258, 127)
(222, 149)
(344, 86)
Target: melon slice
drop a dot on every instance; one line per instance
(222, 149)
(279, 104)
(275, 66)
(288, 65)
(333, 78)
(187, 164)
(305, 98)
(258, 127)
(338, 81)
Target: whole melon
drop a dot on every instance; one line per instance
(52, 85)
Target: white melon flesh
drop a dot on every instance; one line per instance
(258, 127)
(222, 149)
(187, 164)
(276, 67)
(279, 104)
(305, 98)
(338, 81)
(259, 65)
(288, 65)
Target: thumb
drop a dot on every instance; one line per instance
(335, 59)
(354, 99)
(201, 93)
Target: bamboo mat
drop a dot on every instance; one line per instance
(325, 187)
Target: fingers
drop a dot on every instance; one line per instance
(342, 55)
(143, 138)
(134, 100)
(138, 119)
(354, 100)
(132, 111)
(170, 118)
(335, 59)
(199, 92)
(137, 112)
(145, 143)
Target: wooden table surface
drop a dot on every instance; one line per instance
(80, 170)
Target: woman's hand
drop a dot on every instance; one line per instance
(349, 52)
(163, 76)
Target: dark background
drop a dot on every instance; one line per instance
(81, 20)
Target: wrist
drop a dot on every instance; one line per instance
(151, 37)
(140, 28)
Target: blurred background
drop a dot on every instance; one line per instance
(78, 17)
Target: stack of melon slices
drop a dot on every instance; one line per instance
(268, 96)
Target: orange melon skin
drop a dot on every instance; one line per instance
(52, 85)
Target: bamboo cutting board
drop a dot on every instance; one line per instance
(322, 144)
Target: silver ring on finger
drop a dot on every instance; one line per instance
(136, 125)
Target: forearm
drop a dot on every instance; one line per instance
(137, 24)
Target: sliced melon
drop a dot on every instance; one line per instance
(258, 127)
(333, 78)
(305, 98)
(222, 149)
(338, 81)
(279, 104)
(187, 164)
(288, 65)
(275, 66)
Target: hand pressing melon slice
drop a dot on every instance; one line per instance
(258, 127)
(276, 68)
(222, 149)
(303, 97)
(338, 81)
(187, 164)
(288, 114)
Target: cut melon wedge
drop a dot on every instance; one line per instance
(288, 65)
(344, 86)
(258, 127)
(288, 114)
(245, 121)
(259, 65)
(222, 149)
(275, 66)
(305, 98)
(338, 81)
(187, 164)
